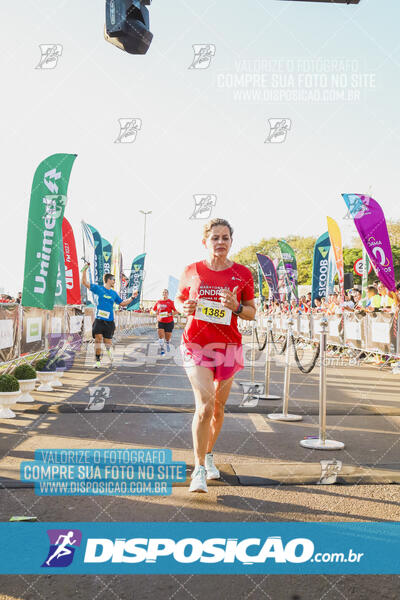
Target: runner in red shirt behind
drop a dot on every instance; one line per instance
(165, 310)
(213, 293)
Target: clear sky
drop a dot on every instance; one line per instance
(203, 130)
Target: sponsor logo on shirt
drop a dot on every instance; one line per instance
(208, 290)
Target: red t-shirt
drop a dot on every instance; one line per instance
(164, 306)
(198, 281)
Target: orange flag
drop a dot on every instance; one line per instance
(336, 240)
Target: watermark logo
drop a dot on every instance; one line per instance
(97, 472)
(63, 348)
(128, 129)
(203, 54)
(193, 550)
(49, 55)
(63, 543)
(56, 204)
(296, 80)
(203, 205)
(278, 130)
(137, 354)
(358, 207)
(330, 469)
(251, 391)
(98, 397)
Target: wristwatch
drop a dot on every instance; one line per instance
(239, 310)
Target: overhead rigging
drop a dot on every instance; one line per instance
(331, 1)
(127, 25)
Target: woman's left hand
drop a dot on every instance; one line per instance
(229, 299)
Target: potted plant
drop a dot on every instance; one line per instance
(26, 376)
(45, 371)
(59, 368)
(9, 392)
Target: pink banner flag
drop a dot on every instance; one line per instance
(371, 225)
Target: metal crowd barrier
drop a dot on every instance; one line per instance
(300, 328)
(31, 332)
(367, 333)
(371, 332)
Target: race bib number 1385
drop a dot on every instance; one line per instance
(213, 312)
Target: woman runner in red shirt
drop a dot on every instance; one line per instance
(212, 294)
(165, 310)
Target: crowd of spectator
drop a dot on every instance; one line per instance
(378, 298)
(7, 299)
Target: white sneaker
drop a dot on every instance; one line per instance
(110, 354)
(211, 469)
(97, 364)
(198, 483)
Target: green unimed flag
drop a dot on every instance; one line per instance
(44, 236)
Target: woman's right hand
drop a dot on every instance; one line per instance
(189, 307)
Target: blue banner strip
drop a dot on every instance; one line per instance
(213, 548)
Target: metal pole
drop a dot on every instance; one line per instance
(20, 322)
(46, 330)
(144, 250)
(145, 213)
(322, 382)
(322, 443)
(284, 415)
(286, 381)
(253, 350)
(267, 374)
(144, 233)
(268, 357)
(250, 384)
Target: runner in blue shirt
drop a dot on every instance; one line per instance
(104, 326)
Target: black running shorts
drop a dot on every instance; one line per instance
(105, 328)
(168, 327)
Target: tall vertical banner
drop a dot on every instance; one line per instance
(260, 286)
(320, 267)
(173, 284)
(289, 260)
(98, 268)
(336, 241)
(107, 252)
(44, 235)
(371, 226)
(89, 255)
(122, 285)
(72, 282)
(332, 270)
(282, 279)
(355, 205)
(270, 274)
(136, 281)
(115, 265)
